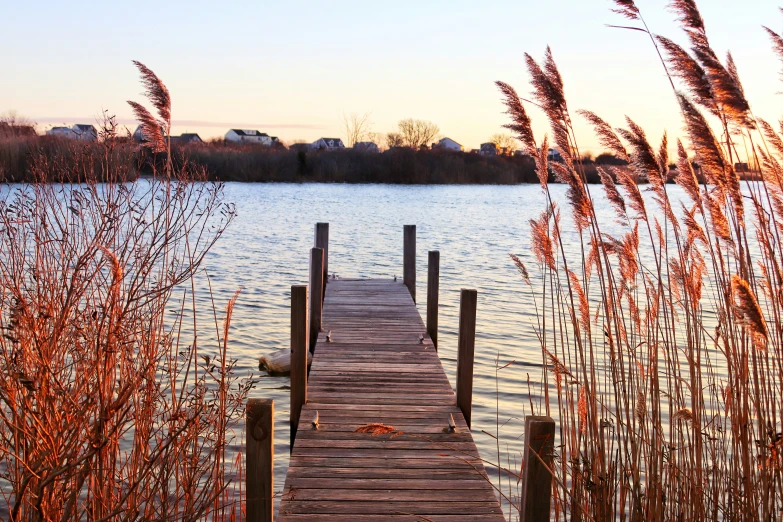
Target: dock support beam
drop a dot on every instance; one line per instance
(316, 286)
(433, 286)
(260, 469)
(465, 351)
(409, 258)
(322, 241)
(536, 478)
(299, 338)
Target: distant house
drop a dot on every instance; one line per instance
(554, 155)
(488, 149)
(328, 144)
(62, 132)
(366, 146)
(447, 144)
(15, 130)
(190, 137)
(83, 131)
(248, 136)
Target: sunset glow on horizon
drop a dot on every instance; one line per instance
(294, 69)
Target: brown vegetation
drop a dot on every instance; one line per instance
(663, 346)
(110, 405)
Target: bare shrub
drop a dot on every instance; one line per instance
(110, 407)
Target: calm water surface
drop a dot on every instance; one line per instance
(266, 250)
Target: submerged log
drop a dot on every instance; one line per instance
(279, 362)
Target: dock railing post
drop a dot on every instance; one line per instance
(316, 285)
(299, 338)
(409, 258)
(322, 241)
(465, 351)
(536, 475)
(260, 455)
(433, 286)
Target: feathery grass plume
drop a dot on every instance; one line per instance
(695, 231)
(521, 267)
(720, 224)
(156, 92)
(690, 72)
(542, 163)
(520, 125)
(635, 201)
(541, 241)
(584, 306)
(771, 136)
(375, 429)
(150, 126)
(627, 8)
(686, 176)
(689, 16)
(548, 92)
(747, 309)
(582, 410)
(777, 43)
(612, 194)
(709, 152)
(643, 157)
(684, 414)
(606, 135)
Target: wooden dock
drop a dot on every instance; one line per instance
(377, 433)
(375, 370)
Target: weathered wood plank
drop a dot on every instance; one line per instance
(380, 366)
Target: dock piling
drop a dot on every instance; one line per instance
(316, 286)
(260, 448)
(536, 475)
(409, 258)
(433, 286)
(465, 351)
(322, 241)
(299, 341)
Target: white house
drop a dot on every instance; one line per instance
(62, 132)
(366, 146)
(248, 136)
(327, 144)
(488, 149)
(83, 131)
(80, 131)
(448, 144)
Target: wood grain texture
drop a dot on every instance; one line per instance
(465, 351)
(376, 371)
(316, 288)
(409, 258)
(260, 447)
(299, 349)
(433, 287)
(537, 480)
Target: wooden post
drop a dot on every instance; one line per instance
(433, 285)
(465, 351)
(536, 478)
(409, 258)
(316, 287)
(299, 338)
(322, 241)
(260, 455)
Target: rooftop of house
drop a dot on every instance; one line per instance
(331, 139)
(248, 132)
(83, 127)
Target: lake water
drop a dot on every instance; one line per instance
(266, 250)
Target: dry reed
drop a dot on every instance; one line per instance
(111, 407)
(664, 353)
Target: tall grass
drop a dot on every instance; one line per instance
(662, 348)
(112, 407)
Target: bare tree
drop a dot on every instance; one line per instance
(394, 139)
(13, 119)
(416, 133)
(356, 127)
(504, 142)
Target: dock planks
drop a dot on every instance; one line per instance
(375, 371)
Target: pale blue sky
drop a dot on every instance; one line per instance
(293, 68)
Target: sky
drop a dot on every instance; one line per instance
(292, 69)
